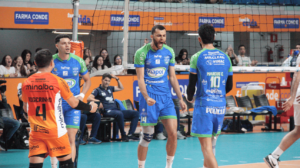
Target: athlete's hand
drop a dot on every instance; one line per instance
(95, 107)
(190, 101)
(150, 101)
(182, 105)
(288, 104)
(79, 98)
(100, 106)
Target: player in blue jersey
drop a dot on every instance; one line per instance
(211, 69)
(69, 66)
(153, 62)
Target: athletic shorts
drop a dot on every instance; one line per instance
(71, 116)
(53, 147)
(207, 121)
(163, 109)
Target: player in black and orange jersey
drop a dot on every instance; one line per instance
(42, 97)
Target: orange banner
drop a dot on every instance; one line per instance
(48, 18)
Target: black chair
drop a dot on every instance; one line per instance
(129, 104)
(262, 100)
(137, 105)
(244, 101)
(230, 101)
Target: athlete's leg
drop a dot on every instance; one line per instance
(206, 147)
(171, 128)
(36, 161)
(148, 132)
(65, 161)
(72, 137)
(213, 142)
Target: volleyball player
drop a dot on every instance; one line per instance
(42, 97)
(211, 69)
(153, 62)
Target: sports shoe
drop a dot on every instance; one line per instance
(2, 146)
(160, 136)
(125, 138)
(271, 161)
(93, 140)
(180, 136)
(131, 137)
(82, 142)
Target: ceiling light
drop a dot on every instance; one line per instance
(80, 33)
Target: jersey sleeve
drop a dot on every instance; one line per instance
(83, 69)
(139, 58)
(193, 64)
(112, 88)
(24, 96)
(172, 60)
(64, 89)
(230, 72)
(95, 92)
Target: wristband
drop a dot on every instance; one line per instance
(91, 107)
(81, 95)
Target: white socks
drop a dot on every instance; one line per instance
(141, 164)
(54, 162)
(277, 153)
(169, 161)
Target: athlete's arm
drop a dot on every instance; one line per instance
(79, 105)
(87, 83)
(191, 86)
(25, 99)
(229, 84)
(175, 85)
(92, 98)
(141, 82)
(120, 86)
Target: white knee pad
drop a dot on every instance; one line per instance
(214, 143)
(148, 132)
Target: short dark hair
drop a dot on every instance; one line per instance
(242, 45)
(159, 27)
(43, 58)
(207, 33)
(38, 49)
(60, 36)
(106, 75)
(3, 60)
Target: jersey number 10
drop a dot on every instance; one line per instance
(215, 81)
(44, 111)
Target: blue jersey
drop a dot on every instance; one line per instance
(156, 67)
(212, 67)
(69, 70)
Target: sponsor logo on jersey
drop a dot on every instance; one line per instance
(70, 82)
(209, 62)
(157, 61)
(148, 81)
(75, 71)
(214, 100)
(218, 62)
(148, 62)
(60, 148)
(60, 114)
(224, 82)
(157, 56)
(204, 82)
(76, 120)
(39, 87)
(38, 128)
(215, 110)
(64, 67)
(167, 59)
(103, 93)
(65, 73)
(110, 99)
(55, 71)
(34, 147)
(40, 99)
(214, 91)
(109, 91)
(156, 72)
(214, 57)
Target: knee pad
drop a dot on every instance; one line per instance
(148, 132)
(66, 164)
(35, 165)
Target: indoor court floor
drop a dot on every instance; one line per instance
(232, 151)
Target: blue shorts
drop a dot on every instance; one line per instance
(163, 109)
(71, 116)
(207, 121)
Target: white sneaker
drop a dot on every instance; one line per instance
(160, 136)
(180, 136)
(271, 161)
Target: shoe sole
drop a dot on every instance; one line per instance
(266, 161)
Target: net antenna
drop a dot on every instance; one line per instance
(75, 19)
(125, 32)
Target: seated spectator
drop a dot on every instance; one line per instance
(104, 94)
(95, 118)
(98, 64)
(160, 127)
(26, 56)
(21, 69)
(234, 59)
(88, 53)
(105, 56)
(87, 61)
(182, 58)
(244, 60)
(10, 125)
(6, 69)
(118, 64)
